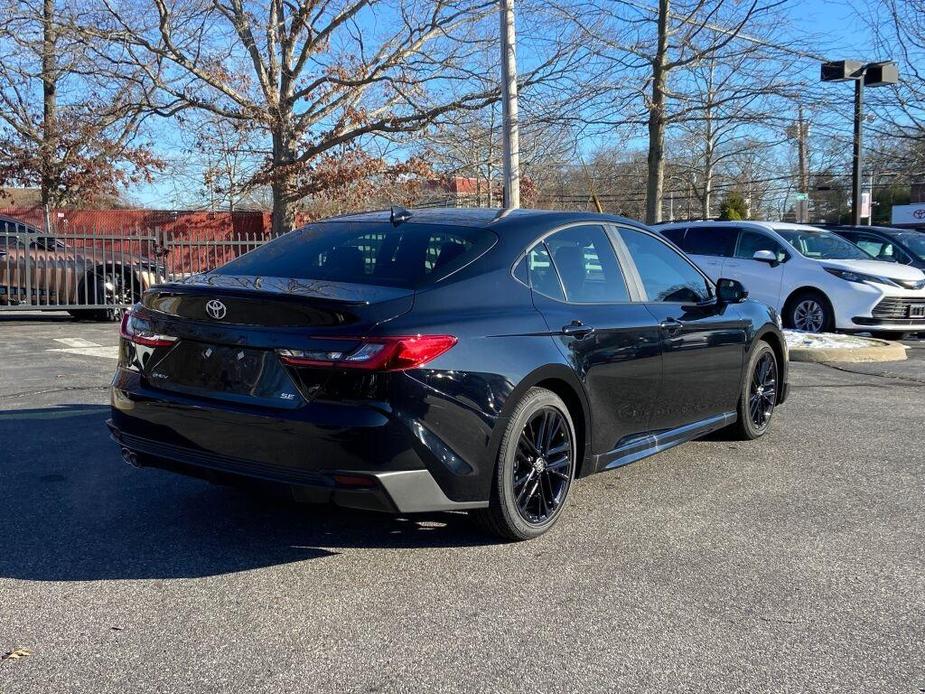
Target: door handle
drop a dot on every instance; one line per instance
(671, 326)
(577, 329)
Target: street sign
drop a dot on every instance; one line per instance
(802, 196)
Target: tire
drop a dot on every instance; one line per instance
(96, 291)
(811, 312)
(748, 426)
(527, 496)
(887, 335)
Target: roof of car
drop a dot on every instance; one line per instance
(889, 231)
(485, 217)
(744, 223)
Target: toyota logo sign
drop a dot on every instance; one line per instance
(919, 213)
(216, 309)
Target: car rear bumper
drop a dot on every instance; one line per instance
(352, 456)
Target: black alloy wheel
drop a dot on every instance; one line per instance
(542, 466)
(535, 468)
(763, 390)
(759, 394)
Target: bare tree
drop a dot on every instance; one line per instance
(64, 126)
(650, 52)
(314, 76)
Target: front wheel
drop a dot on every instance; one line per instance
(534, 470)
(758, 396)
(810, 312)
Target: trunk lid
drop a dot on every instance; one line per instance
(277, 302)
(229, 329)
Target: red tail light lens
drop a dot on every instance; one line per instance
(376, 354)
(137, 330)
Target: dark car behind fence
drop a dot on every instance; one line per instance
(98, 274)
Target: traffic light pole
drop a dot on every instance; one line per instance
(858, 151)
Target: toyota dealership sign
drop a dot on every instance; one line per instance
(909, 214)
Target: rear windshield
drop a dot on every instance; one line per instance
(408, 256)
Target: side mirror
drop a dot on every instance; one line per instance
(769, 257)
(730, 291)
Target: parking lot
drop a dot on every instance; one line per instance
(794, 563)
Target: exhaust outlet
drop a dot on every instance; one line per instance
(130, 458)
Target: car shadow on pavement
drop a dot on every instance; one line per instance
(71, 510)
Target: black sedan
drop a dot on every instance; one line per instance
(443, 360)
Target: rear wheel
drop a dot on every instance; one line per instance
(810, 312)
(534, 470)
(758, 396)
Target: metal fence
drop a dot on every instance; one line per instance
(97, 275)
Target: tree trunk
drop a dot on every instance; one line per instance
(50, 110)
(284, 181)
(706, 199)
(655, 185)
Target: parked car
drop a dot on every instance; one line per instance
(41, 270)
(443, 360)
(817, 280)
(903, 246)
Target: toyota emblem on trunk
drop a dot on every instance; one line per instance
(216, 309)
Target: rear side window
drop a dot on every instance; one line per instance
(408, 256)
(717, 241)
(666, 275)
(584, 258)
(676, 236)
(543, 277)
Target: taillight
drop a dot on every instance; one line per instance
(137, 330)
(375, 354)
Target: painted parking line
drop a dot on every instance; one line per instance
(85, 348)
(104, 352)
(75, 342)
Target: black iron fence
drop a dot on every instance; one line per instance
(97, 275)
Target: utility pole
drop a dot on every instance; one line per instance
(510, 129)
(802, 135)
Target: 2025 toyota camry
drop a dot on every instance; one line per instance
(443, 360)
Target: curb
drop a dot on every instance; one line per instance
(880, 350)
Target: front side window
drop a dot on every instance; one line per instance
(716, 241)
(587, 265)
(666, 276)
(915, 242)
(822, 245)
(751, 242)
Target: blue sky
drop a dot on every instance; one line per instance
(841, 35)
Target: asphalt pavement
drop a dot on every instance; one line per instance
(795, 563)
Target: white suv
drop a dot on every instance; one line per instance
(816, 279)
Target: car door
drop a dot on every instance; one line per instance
(709, 247)
(703, 343)
(762, 279)
(611, 341)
